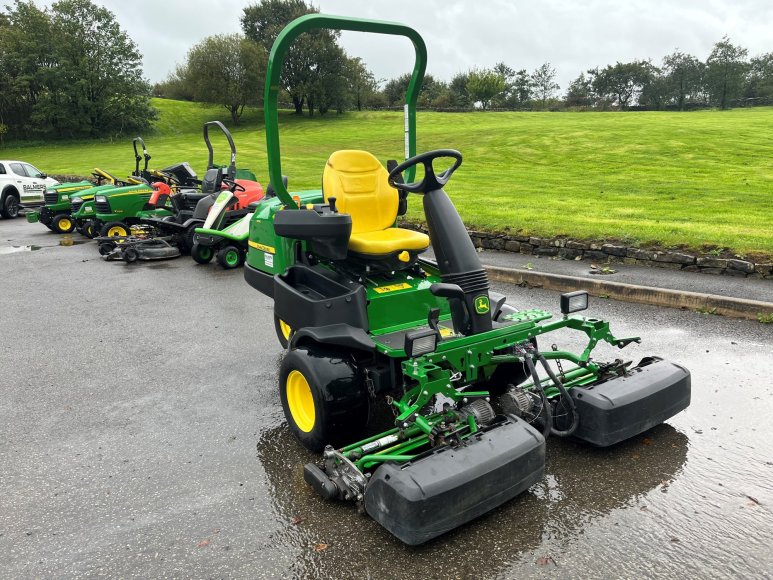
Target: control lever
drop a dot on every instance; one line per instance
(444, 290)
(332, 203)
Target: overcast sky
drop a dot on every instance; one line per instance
(572, 35)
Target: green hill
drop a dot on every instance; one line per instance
(677, 179)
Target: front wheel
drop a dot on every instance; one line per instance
(115, 230)
(202, 254)
(230, 257)
(323, 398)
(63, 224)
(10, 207)
(90, 230)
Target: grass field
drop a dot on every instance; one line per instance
(696, 180)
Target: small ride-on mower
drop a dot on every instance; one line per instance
(473, 395)
(190, 209)
(227, 243)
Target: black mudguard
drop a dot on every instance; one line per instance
(622, 407)
(420, 500)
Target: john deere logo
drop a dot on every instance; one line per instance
(481, 304)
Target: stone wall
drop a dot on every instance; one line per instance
(568, 249)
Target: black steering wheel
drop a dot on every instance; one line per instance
(233, 187)
(431, 181)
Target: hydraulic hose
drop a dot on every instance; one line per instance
(546, 430)
(565, 396)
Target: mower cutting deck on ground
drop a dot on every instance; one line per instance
(370, 321)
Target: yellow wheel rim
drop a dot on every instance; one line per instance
(285, 329)
(65, 224)
(300, 401)
(117, 231)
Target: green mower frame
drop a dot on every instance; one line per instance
(473, 397)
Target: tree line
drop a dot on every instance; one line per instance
(69, 71)
(726, 78)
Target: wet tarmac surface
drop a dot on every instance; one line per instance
(141, 435)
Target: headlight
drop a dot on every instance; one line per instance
(100, 199)
(420, 342)
(77, 200)
(574, 302)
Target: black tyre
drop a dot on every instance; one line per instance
(202, 254)
(230, 257)
(188, 239)
(63, 224)
(323, 398)
(105, 248)
(90, 230)
(130, 255)
(10, 207)
(283, 331)
(114, 229)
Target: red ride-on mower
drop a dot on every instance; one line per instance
(187, 216)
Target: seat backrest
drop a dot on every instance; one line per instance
(213, 178)
(359, 183)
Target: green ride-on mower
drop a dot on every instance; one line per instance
(228, 243)
(373, 321)
(65, 199)
(190, 210)
(116, 210)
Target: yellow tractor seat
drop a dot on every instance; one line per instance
(359, 183)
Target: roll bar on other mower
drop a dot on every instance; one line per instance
(138, 157)
(276, 61)
(231, 172)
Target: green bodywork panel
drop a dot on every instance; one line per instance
(66, 191)
(129, 203)
(268, 252)
(86, 211)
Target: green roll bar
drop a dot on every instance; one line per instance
(274, 70)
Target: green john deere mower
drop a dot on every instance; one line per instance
(64, 200)
(369, 320)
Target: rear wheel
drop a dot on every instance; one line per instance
(202, 254)
(10, 207)
(63, 224)
(323, 398)
(114, 230)
(283, 331)
(230, 257)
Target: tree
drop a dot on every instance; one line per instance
(395, 90)
(726, 68)
(483, 85)
(521, 90)
(263, 22)
(457, 89)
(622, 82)
(683, 75)
(228, 70)
(544, 81)
(95, 84)
(579, 93)
(760, 83)
(362, 83)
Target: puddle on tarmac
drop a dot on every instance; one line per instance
(15, 249)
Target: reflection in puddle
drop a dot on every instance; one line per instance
(581, 485)
(16, 249)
